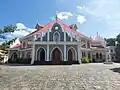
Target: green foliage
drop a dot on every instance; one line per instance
(110, 41)
(118, 47)
(85, 60)
(7, 29)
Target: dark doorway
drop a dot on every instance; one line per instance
(70, 56)
(14, 57)
(56, 56)
(42, 55)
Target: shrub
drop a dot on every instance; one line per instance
(85, 60)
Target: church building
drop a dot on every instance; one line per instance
(58, 43)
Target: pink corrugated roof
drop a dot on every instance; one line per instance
(50, 24)
(17, 46)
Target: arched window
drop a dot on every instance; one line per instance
(28, 54)
(56, 36)
(100, 55)
(97, 56)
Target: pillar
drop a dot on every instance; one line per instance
(71, 36)
(48, 35)
(48, 45)
(79, 53)
(86, 44)
(33, 54)
(65, 59)
(86, 54)
(47, 52)
(91, 55)
(41, 36)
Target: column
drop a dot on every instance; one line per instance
(71, 36)
(79, 53)
(65, 59)
(47, 52)
(48, 35)
(91, 55)
(86, 54)
(64, 35)
(33, 54)
(48, 45)
(86, 43)
(41, 36)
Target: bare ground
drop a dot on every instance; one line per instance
(72, 77)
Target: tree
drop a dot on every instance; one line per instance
(118, 47)
(7, 29)
(110, 41)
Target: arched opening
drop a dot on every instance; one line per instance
(41, 55)
(100, 55)
(28, 55)
(72, 55)
(97, 56)
(56, 36)
(56, 56)
(14, 57)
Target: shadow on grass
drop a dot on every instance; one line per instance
(116, 70)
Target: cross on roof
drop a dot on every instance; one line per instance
(56, 17)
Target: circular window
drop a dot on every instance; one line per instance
(56, 28)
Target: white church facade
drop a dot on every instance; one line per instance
(58, 43)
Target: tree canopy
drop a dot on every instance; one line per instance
(110, 41)
(7, 29)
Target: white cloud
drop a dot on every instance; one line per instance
(79, 7)
(64, 15)
(20, 26)
(81, 19)
(22, 31)
(104, 10)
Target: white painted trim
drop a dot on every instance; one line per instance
(26, 49)
(37, 52)
(75, 52)
(54, 35)
(53, 50)
(61, 42)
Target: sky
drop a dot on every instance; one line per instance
(91, 16)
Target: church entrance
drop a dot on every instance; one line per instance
(56, 56)
(71, 55)
(14, 57)
(41, 55)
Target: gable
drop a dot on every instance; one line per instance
(56, 27)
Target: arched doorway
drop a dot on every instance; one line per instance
(72, 55)
(14, 57)
(56, 56)
(41, 54)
